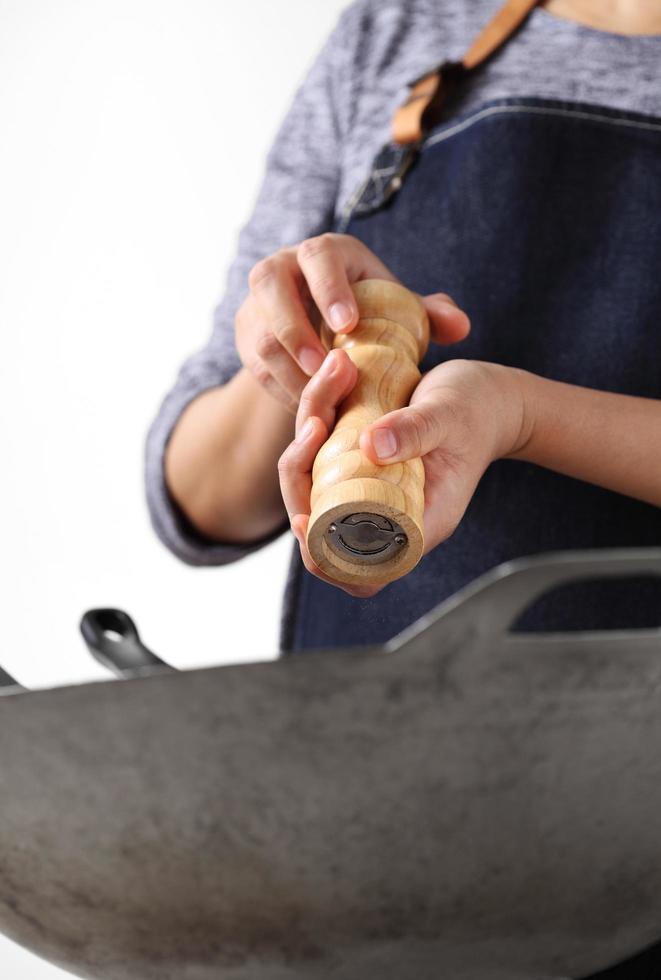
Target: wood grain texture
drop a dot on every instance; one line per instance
(386, 346)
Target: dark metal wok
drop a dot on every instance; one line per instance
(464, 803)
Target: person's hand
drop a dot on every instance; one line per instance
(314, 421)
(276, 327)
(462, 416)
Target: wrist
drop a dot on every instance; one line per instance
(522, 386)
(221, 462)
(509, 406)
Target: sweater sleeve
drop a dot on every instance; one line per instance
(297, 199)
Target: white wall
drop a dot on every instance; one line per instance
(132, 140)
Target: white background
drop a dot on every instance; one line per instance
(132, 141)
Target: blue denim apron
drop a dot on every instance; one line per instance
(542, 219)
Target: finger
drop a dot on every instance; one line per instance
(295, 466)
(447, 322)
(329, 386)
(324, 268)
(282, 368)
(330, 263)
(275, 283)
(265, 379)
(406, 433)
(256, 342)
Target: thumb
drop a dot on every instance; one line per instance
(405, 433)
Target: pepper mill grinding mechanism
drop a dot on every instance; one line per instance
(366, 523)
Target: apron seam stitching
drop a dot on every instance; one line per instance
(537, 110)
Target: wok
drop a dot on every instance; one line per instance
(465, 802)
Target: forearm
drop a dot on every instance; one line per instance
(608, 439)
(221, 463)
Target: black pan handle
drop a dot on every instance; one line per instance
(113, 639)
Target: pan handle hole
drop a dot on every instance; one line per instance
(113, 636)
(618, 603)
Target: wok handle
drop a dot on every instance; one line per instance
(524, 581)
(113, 639)
(366, 525)
(491, 604)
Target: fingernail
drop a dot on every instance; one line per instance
(310, 360)
(339, 315)
(384, 442)
(305, 432)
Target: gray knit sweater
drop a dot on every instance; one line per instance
(339, 118)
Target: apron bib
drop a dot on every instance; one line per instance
(542, 219)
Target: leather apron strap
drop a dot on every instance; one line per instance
(429, 92)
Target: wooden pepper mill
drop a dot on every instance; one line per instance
(366, 522)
